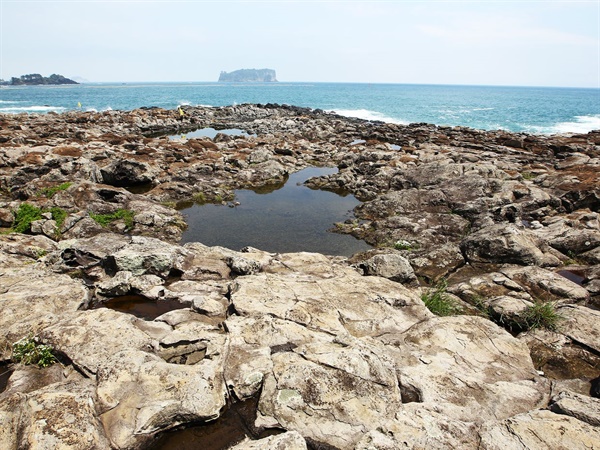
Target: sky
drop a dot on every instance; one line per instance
(485, 42)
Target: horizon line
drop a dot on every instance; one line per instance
(345, 82)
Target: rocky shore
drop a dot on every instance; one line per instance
(323, 352)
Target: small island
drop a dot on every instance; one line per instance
(35, 79)
(249, 76)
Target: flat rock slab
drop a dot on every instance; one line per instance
(346, 303)
(539, 430)
(286, 441)
(33, 298)
(581, 324)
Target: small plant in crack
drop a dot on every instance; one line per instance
(30, 351)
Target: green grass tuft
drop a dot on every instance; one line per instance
(199, 198)
(51, 191)
(26, 214)
(542, 315)
(59, 215)
(122, 214)
(439, 302)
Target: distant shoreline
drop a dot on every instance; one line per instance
(35, 79)
(520, 109)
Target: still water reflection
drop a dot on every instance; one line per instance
(292, 218)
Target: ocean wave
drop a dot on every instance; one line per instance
(367, 115)
(20, 109)
(581, 124)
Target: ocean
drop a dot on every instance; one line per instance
(542, 110)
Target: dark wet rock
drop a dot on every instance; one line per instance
(595, 389)
(560, 358)
(126, 173)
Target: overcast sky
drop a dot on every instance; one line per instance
(503, 42)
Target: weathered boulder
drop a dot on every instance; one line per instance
(546, 285)
(123, 173)
(437, 263)
(140, 394)
(26, 247)
(582, 325)
(468, 368)
(329, 393)
(509, 311)
(419, 427)
(505, 244)
(575, 242)
(347, 303)
(144, 255)
(560, 358)
(391, 266)
(91, 337)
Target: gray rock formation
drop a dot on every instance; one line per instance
(249, 75)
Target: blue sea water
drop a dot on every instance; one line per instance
(528, 109)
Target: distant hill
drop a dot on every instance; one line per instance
(34, 79)
(249, 75)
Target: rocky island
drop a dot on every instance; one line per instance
(249, 76)
(473, 323)
(35, 79)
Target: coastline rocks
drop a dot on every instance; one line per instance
(333, 358)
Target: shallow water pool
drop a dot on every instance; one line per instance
(291, 218)
(208, 133)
